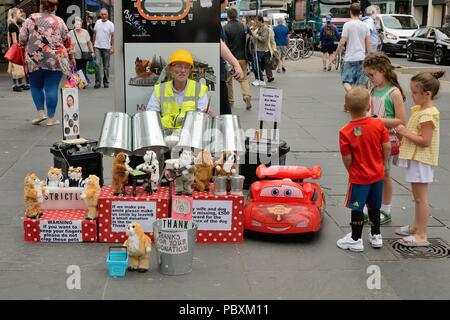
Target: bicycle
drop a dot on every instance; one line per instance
(308, 46)
(296, 48)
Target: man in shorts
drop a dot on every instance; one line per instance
(328, 34)
(282, 40)
(356, 35)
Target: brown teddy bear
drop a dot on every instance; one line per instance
(139, 246)
(203, 170)
(120, 171)
(90, 195)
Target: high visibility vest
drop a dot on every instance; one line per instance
(172, 114)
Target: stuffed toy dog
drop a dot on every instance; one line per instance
(183, 182)
(150, 166)
(227, 165)
(139, 246)
(120, 171)
(203, 170)
(90, 195)
(33, 195)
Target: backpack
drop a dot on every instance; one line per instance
(328, 33)
(249, 45)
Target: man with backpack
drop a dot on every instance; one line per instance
(236, 34)
(328, 34)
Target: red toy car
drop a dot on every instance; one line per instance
(285, 206)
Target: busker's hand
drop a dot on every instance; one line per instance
(238, 73)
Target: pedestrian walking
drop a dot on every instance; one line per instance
(356, 35)
(16, 72)
(370, 21)
(104, 48)
(365, 147)
(47, 49)
(419, 153)
(90, 26)
(328, 34)
(387, 102)
(261, 36)
(81, 40)
(281, 32)
(236, 33)
(273, 57)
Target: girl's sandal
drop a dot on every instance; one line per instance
(411, 241)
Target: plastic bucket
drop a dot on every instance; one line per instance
(175, 242)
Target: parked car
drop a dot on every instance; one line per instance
(395, 30)
(429, 43)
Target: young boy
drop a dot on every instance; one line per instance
(365, 147)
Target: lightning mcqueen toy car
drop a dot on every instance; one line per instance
(287, 205)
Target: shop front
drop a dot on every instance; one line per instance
(430, 12)
(391, 7)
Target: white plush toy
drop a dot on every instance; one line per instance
(183, 183)
(151, 166)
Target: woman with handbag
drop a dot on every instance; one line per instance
(16, 71)
(81, 40)
(47, 48)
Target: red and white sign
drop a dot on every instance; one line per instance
(115, 213)
(220, 218)
(181, 207)
(60, 226)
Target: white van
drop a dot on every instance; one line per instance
(395, 30)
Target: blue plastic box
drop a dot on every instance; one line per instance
(117, 261)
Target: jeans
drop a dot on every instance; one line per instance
(102, 65)
(353, 73)
(259, 65)
(44, 86)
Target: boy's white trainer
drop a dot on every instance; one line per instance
(376, 240)
(347, 243)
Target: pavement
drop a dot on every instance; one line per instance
(259, 268)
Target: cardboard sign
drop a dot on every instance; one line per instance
(270, 104)
(173, 243)
(212, 214)
(71, 113)
(60, 231)
(181, 207)
(125, 212)
(63, 199)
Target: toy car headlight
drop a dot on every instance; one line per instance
(256, 223)
(302, 224)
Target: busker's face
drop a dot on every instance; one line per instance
(376, 77)
(180, 71)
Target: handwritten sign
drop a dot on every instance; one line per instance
(173, 243)
(181, 207)
(125, 212)
(270, 104)
(60, 231)
(212, 215)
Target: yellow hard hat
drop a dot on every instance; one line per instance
(182, 56)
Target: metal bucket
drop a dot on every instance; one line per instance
(175, 242)
(220, 185)
(196, 131)
(237, 185)
(226, 135)
(147, 133)
(116, 135)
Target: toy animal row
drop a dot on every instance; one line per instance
(55, 178)
(184, 170)
(35, 191)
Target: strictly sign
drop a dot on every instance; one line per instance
(270, 104)
(173, 243)
(125, 212)
(212, 215)
(58, 198)
(61, 231)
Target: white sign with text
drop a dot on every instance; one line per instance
(173, 242)
(61, 231)
(212, 215)
(125, 212)
(270, 104)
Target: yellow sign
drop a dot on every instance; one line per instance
(279, 211)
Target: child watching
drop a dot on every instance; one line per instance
(365, 148)
(419, 153)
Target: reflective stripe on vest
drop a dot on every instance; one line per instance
(172, 114)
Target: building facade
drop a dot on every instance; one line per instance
(430, 12)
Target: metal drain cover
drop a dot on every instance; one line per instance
(437, 250)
